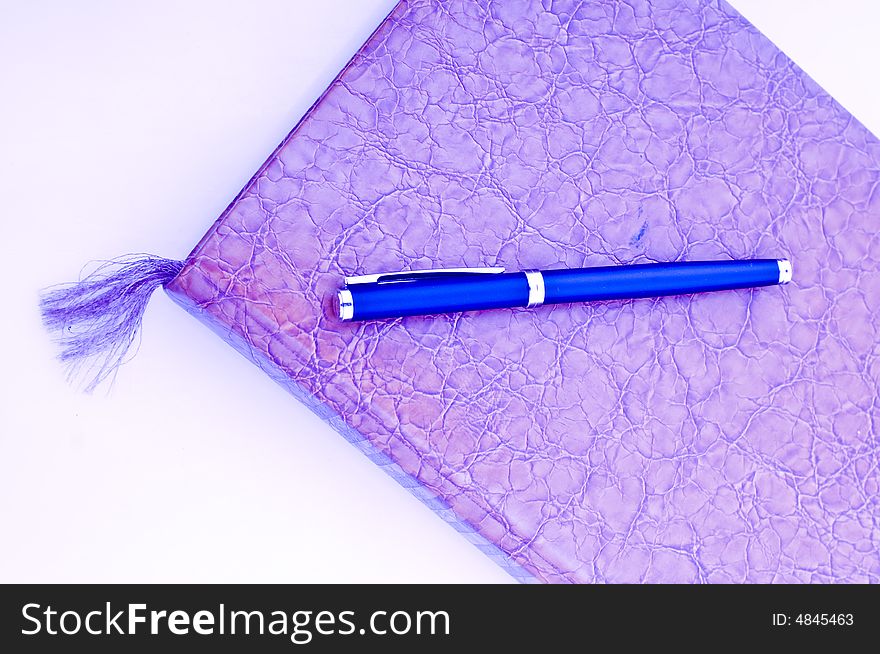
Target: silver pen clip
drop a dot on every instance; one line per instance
(415, 275)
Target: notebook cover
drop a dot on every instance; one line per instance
(728, 437)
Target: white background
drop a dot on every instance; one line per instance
(128, 127)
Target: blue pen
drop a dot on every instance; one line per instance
(450, 290)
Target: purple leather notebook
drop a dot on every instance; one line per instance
(727, 437)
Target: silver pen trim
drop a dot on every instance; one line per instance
(784, 270)
(346, 304)
(390, 276)
(537, 291)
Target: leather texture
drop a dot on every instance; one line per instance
(725, 437)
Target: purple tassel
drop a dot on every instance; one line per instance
(97, 319)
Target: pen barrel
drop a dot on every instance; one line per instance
(657, 279)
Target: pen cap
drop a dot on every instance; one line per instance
(429, 295)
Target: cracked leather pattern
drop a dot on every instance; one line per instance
(727, 437)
